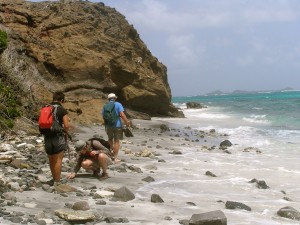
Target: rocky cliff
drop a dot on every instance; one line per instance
(86, 50)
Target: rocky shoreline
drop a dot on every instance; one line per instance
(27, 198)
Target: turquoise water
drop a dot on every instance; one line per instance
(269, 120)
(279, 109)
(267, 123)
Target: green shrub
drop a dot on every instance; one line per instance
(8, 106)
(3, 41)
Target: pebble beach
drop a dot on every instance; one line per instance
(165, 176)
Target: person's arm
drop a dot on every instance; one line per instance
(96, 148)
(76, 168)
(124, 118)
(66, 123)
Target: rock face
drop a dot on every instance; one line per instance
(86, 50)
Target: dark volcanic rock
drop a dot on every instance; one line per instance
(225, 144)
(195, 105)
(289, 212)
(210, 174)
(236, 205)
(212, 218)
(123, 194)
(155, 198)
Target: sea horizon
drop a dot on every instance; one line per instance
(238, 91)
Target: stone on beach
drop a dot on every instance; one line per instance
(236, 205)
(81, 205)
(103, 194)
(210, 174)
(209, 218)
(74, 215)
(148, 179)
(289, 212)
(155, 198)
(225, 144)
(123, 194)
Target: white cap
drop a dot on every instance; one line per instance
(111, 95)
(79, 145)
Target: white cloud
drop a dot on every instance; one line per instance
(184, 50)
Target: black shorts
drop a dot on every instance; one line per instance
(55, 144)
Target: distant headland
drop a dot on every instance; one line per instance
(218, 92)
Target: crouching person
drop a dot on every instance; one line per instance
(92, 155)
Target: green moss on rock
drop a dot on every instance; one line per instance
(3, 41)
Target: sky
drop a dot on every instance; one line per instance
(226, 45)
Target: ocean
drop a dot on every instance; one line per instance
(265, 123)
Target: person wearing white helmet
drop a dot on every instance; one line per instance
(112, 113)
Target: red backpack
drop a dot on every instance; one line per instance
(48, 121)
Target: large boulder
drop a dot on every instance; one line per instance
(86, 50)
(289, 212)
(123, 194)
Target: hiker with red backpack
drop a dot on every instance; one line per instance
(54, 125)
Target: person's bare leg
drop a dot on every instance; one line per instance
(102, 158)
(90, 165)
(87, 164)
(103, 162)
(116, 150)
(55, 162)
(111, 144)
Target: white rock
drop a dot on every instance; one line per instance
(30, 146)
(6, 147)
(104, 194)
(30, 205)
(39, 141)
(48, 221)
(14, 186)
(72, 215)
(21, 145)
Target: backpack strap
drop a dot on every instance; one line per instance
(92, 143)
(54, 113)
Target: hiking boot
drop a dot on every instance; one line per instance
(104, 176)
(96, 172)
(50, 182)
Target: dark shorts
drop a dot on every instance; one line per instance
(114, 133)
(55, 144)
